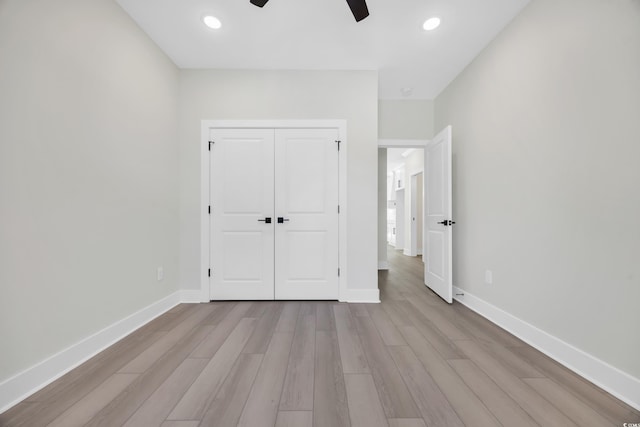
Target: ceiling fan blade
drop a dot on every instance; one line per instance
(358, 8)
(259, 3)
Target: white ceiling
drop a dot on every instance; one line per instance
(323, 35)
(395, 158)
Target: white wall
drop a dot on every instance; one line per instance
(413, 165)
(546, 146)
(405, 119)
(237, 94)
(382, 209)
(88, 174)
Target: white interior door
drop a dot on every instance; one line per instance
(438, 211)
(242, 238)
(306, 200)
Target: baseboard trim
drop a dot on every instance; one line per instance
(609, 378)
(383, 265)
(22, 385)
(361, 296)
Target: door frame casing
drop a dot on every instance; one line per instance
(207, 125)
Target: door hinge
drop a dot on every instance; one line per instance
(338, 142)
(209, 209)
(209, 272)
(338, 208)
(338, 272)
(210, 144)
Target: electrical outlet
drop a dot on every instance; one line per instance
(160, 273)
(488, 277)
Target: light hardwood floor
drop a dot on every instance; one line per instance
(411, 361)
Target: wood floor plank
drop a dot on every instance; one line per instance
(395, 312)
(294, 419)
(570, 405)
(180, 424)
(307, 308)
(396, 399)
(261, 408)
(157, 407)
(20, 414)
(220, 313)
(352, 355)
(608, 406)
(297, 393)
(324, 317)
(63, 393)
(199, 396)
(520, 367)
(449, 329)
(505, 409)
(127, 402)
(406, 422)
(359, 309)
(288, 317)
(482, 328)
(179, 308)
(330, 407)
(101, 366)
(257, 309)
(543, 412)
(389, 333)
(82, 411)
(443, 345)
(211, 344)
(465, 402)
(161, 346)
(170, 319)
(433, 405)
(365, 409)
(225, 410)
(259, 340)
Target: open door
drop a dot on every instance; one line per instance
(437, 218)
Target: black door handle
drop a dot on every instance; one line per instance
(266, 220)
(281, 220)
(443, 223)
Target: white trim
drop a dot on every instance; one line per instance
(383, 265)
(361, 296)
(206, 125)
(607, 377)
(402, 143)
(20, 386)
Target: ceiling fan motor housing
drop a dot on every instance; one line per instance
(259, 3)
(358, 7)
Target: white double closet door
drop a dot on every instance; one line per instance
(274, 214)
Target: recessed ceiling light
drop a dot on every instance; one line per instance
(212, 22)
(431, 24)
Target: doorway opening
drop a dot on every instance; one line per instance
(404, 199)
(417, 221)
